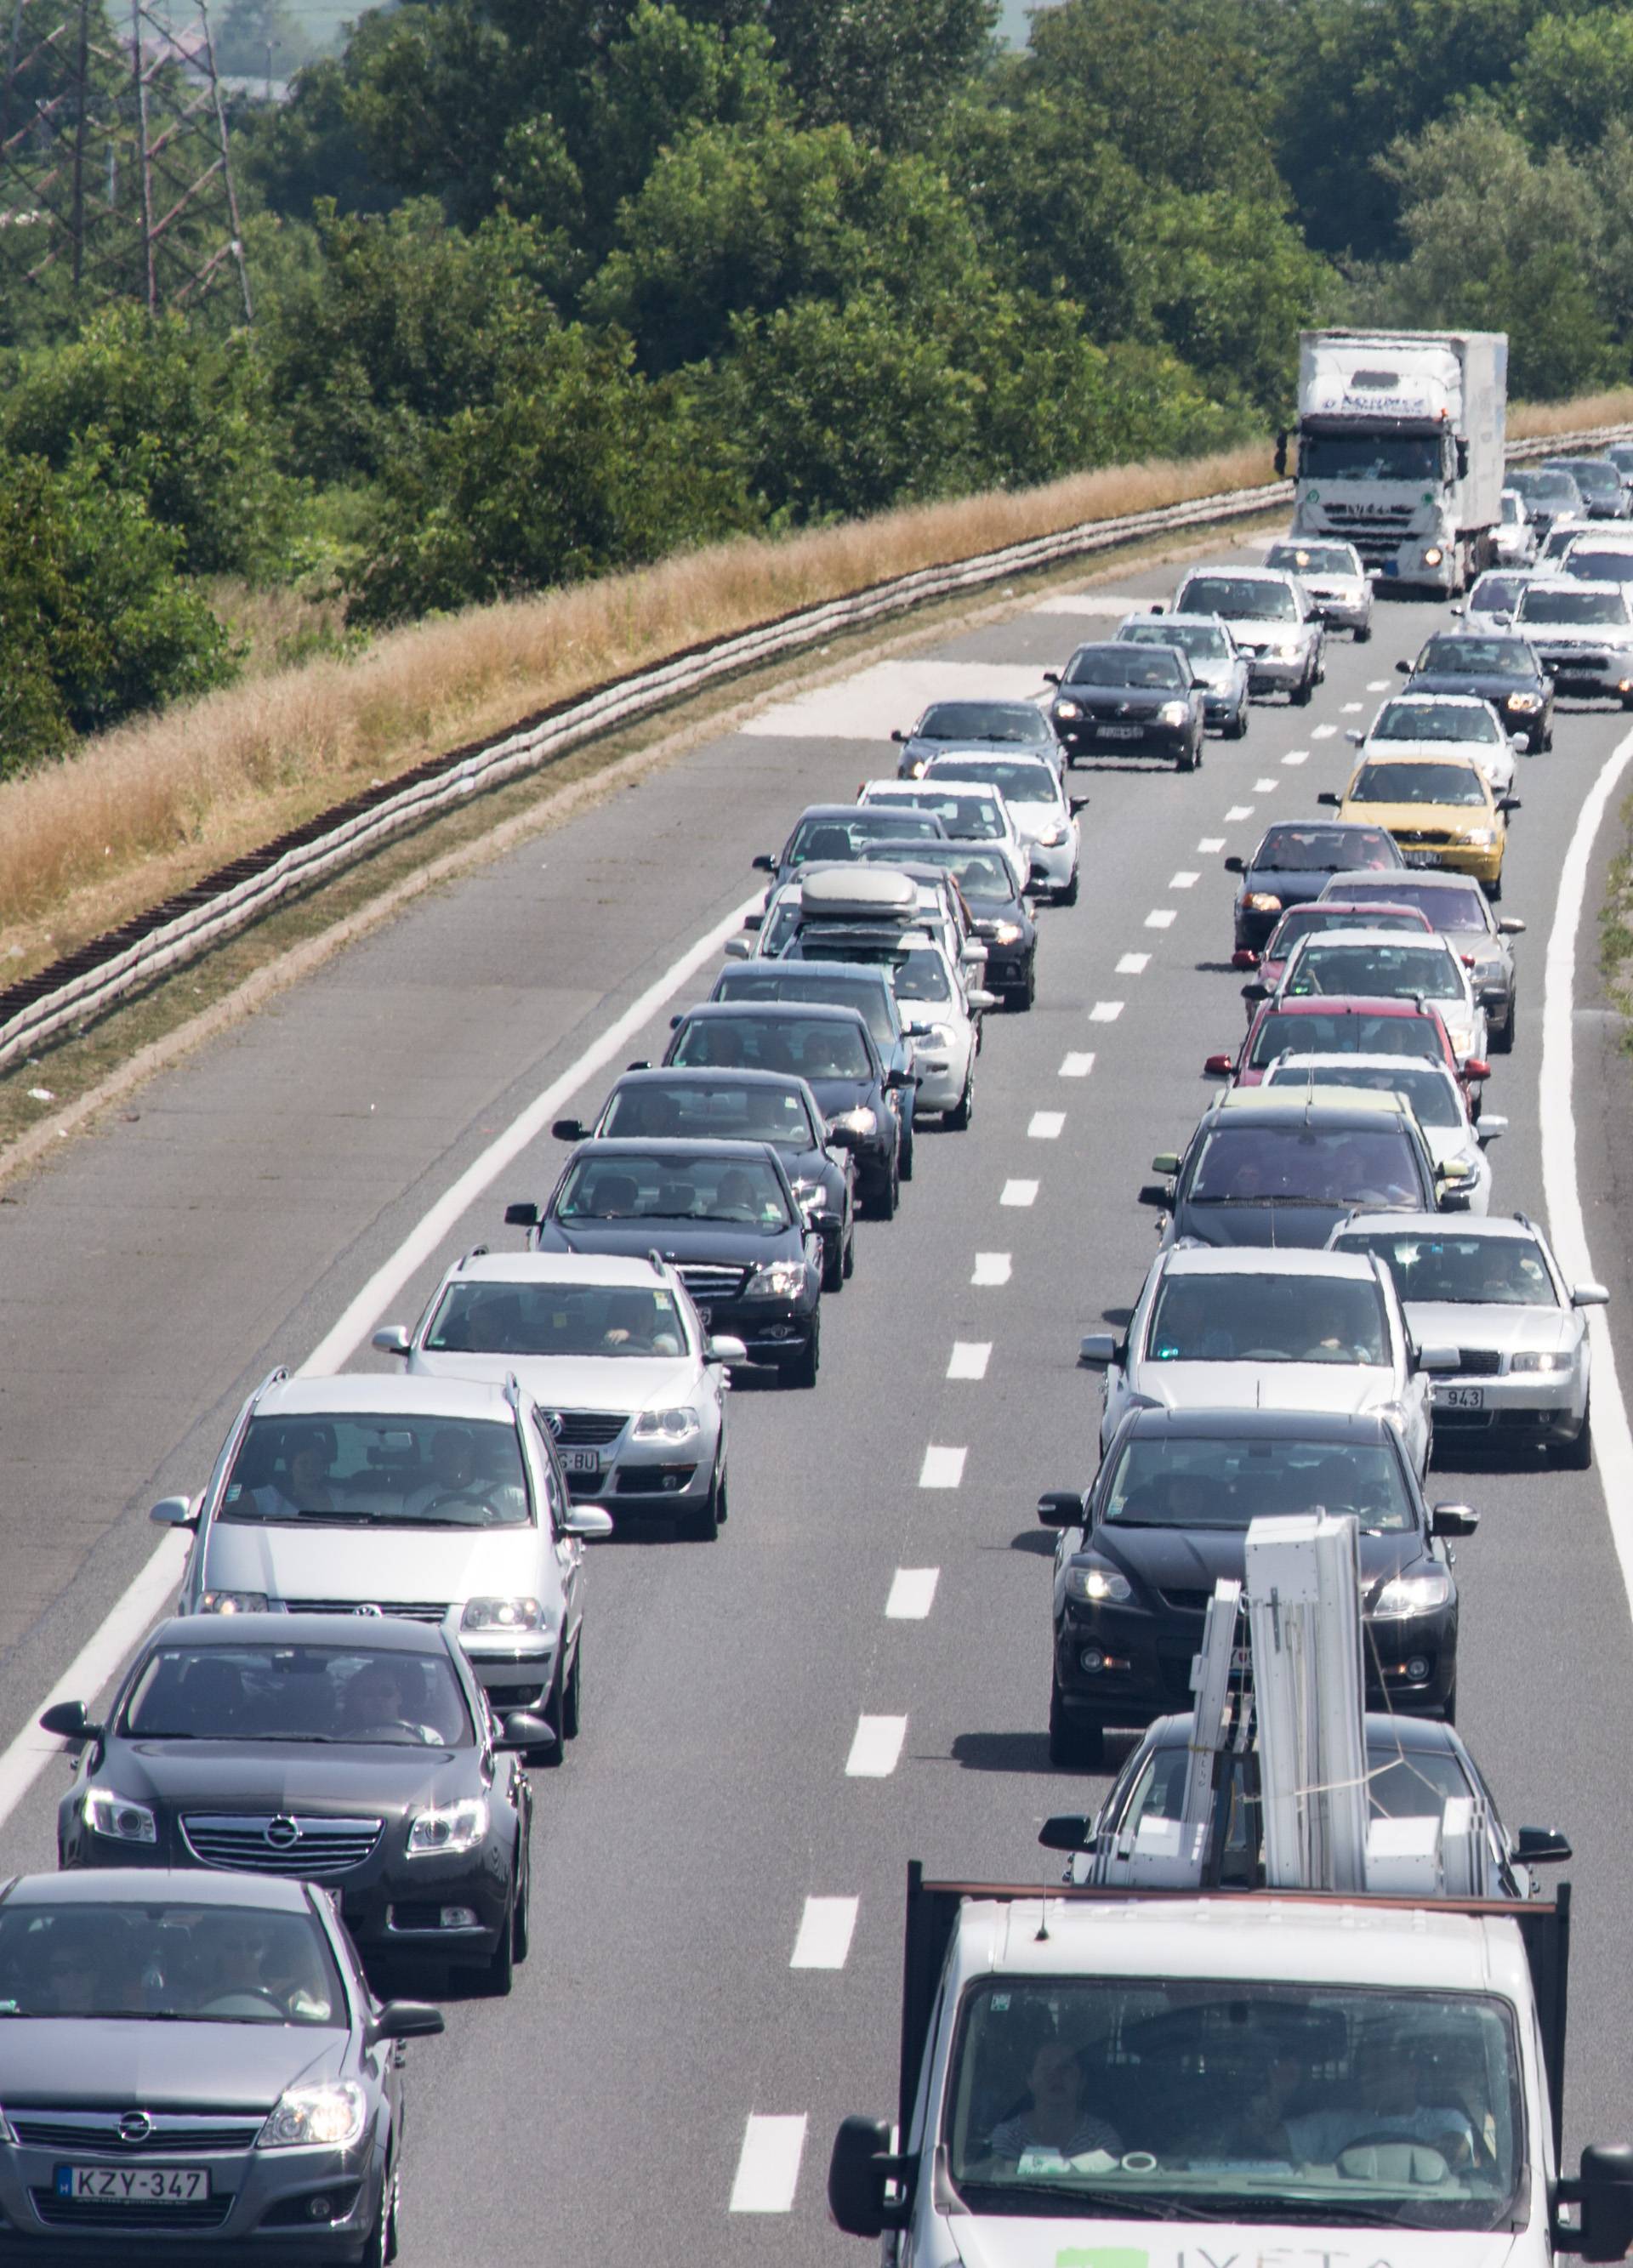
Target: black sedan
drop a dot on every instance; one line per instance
(1294, 863)
(838, 831)
(1503, 671)
(998, 914)
(193, 2068)
(725, 1216)
(762, 1020)
(1168, 1513)
(746, 1105)
(975, 728)
(1129, 701)
(358, 1754)
(1265, 1170)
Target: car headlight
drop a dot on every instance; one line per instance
(1007, 932)
(782, 1280)
(1526, 702)
(232, 1602)
(860, 1120)
(666, 1425)
(1413, 1594)
(109, 1813)
(1052, 838)
(502, 1617)
(1067, 709)
(447, 1829)
(1481, 838)
(1535, 1362)
(1097, 1586)
(1174, 712)
(1262, 901)
(331, 2115)
(807, 1190)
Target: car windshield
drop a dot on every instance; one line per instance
(361, 1695)
(828, 987)
(1377, 972)
(1497, 594)
(1017, 783)
(921, 976)
(1239, 596)
(1434, 720)
(971, 818)
(166, 1960)
(1590, 565)
(1156, 671)
(711, 1110)
(1432, 1092)
(617, 1319)
(1285, 1032)
(1446, 904)
(670, 1185)
(1401, 1783)
(1593, 477)
(1200, 641)
(1569, 606)
(1174, 1480)
(806, 1047)
(1323, 850)
(983, 720)
(1473, 657)
(1313, 558)
(831, 838)
(363, 1470)
(1485, 1272)
(979, 874)
(1305, 1165)
(1555, 491)
(1390, 456)
(1311, 920)
(1264, 1318)
(1393, 782)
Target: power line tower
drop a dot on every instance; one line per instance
(115, 163)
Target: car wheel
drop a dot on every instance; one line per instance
(550, 1759)
(1073, 1744)
(702, 1523)
(1304, 694)
(1068, 896)
(884, 1199)
(1021, 997)
(1448, 1714)
(850, 1255)
(1576, 1454)
(1236, 729)
(521, 1912)
(1494, 888)
(1502, 1034)
(803, 1369)
(498, 1972)
(383, 2240)
(959, 1116)
(903, 1158)
(1363, 633)
(832, 1264)
(572, 1693)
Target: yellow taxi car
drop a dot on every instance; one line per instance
(1439, 807)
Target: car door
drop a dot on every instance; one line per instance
(566, 1552)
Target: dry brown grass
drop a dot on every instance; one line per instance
(1530, 420)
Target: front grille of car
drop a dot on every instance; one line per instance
(1187, 1602)
(1569, 658)
(1426, 837)
(91, 2213)
(704, 1280)
(97, 2131)
(586, 1429)
(412, 1610)
(1479, 1362)
(312, 1850)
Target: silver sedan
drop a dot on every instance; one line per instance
(1335, 579)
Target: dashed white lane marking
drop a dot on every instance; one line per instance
(911, 1594)
(1076, 1067)
(969, 1359)
(1377, 685)
(768, 2167)
(826, 1928)
(1019, 1193)
(1045, 1125)
(991, 1268)
(1105, 1012)
(942, 1467)
(1211, 845)
(1263, 786)
(1133, 964)
(1160, 917)
(876, 1748)
(1184, 880)
(1296, 757)
(1237, 813)
(1355, 708)
(1325, 733)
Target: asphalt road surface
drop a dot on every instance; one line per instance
(681, 1987)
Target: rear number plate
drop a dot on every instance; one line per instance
(581, 1460)
(1120, 731)
(1460, 1397)
(134, 2184)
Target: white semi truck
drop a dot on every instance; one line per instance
(1401, 449)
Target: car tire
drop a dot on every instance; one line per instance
(1494, 891)
(882, 1204)
(904, 1160)
(384, 2240)
(1020, 998)
(1304, 694)
(498, 1971)
(550, 1759)
(1068, 896)
(849, 1261)
(833, 1265)
(959, 1116)
(1365, 634)
(1501, 1036)
(1074, 1745)
(702, 1523)
(573, 1693)
(1576, 1454)
(1236, 729)
(1448, 1712)
(521, 1913)
(1188, 759)
(803, 1370)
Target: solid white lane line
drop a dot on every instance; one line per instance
(1076, 1067)
(942, 1466)
(876, 1748)
(1612, 1442)
(911, 1594)
(1325, 733)
(825, 1930)
(1184, 880)
(1296, 757)
(1263, 786)
(991, 1268)
(1133, 964)
(1045, 1125)
(1019, 1193)
(768, 2167)
(1160, 917)
(969, 1359)
(1237, 813)
(1107, 1011)
(1211, 845)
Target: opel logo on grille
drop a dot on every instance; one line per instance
(282, 1834)
(134, 2126)
(375, 1611)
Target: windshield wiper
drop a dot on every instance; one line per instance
(1071, 2201)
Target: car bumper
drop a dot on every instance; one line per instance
(1053, 865)
(1599, 678)
(259, 2206)
(1222, 705)
(653, 1475)
(1272, 673)
(941, 1082)
(1547, 1405)
(773, 1330)
(1345, 614)
(1457, 858)
(1125, 737)
(1253, 928)
(1006, 965)
(518, 1680)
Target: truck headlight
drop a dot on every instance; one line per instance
(1433, 556)
(782, 1280)
(1096, 1585)
(1538, 1362)
(331, 2114)
(666, 1425)
(447, 1830)
(501, 1617)
(232, 1602)
(109, 1813)
(1413, 1594)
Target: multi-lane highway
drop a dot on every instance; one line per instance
(857, 1672)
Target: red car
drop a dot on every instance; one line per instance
(1331, 1025)
(1299, 921)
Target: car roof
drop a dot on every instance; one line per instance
(1360, 1062)
(715, 1011)
(1358, 1427)
(379, 1394)
(632, 1270)
(1237, 574)
(1418, 877)
(711, 1074)
(667, 1146)
(1185, 621)
(1019, 755)
(978, 701)
(892, 789)
(1346, 1106)
(1262, 1260)
(382, 1633)
(1428, 940)
(1360, 906)
(1444, 700)
(1345, 1004)
(1439, 1224)
(142, 1885)
(1388, 1728)
(1412, 755)
(1578, 583)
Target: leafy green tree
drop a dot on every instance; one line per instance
(887, 69)
(263, 37)
(1575, 78)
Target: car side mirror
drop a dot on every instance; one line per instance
(1061, 1508)
(1159, 606)
(1067, 1831)
(1404, 668)
(1154, 1196)
(1078, 802)
(1543, 1846)
(1507, 803)
(1491, 1125)
(764, 864)
(521, 1216)
(593, 1521)
(1354, 738)
(1589, 1295)
(68, 1721)
(738, 948)
(570, 1130)
(1603, 2193)
(1096, 1351)
(980, 999)
(1459, 609)
(1436, 1359)
(1166, 1161)
(523, 1729)
(1510, 925)
(1255, 991)
(1052, 677)
(860, 2170)
(1218, 1066)
(1520, 742)
(840, 1138)
(391, 1338)
(1235, 865)
(1452, 1520)
(898, 737)
(405, 2020)
(1477, 1067)
(173, 1512)
(1462, 458)
(723, 1348)
(895, 1080)
(1333, 802)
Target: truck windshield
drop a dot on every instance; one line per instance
(1149, 2096)
(1368, 457)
